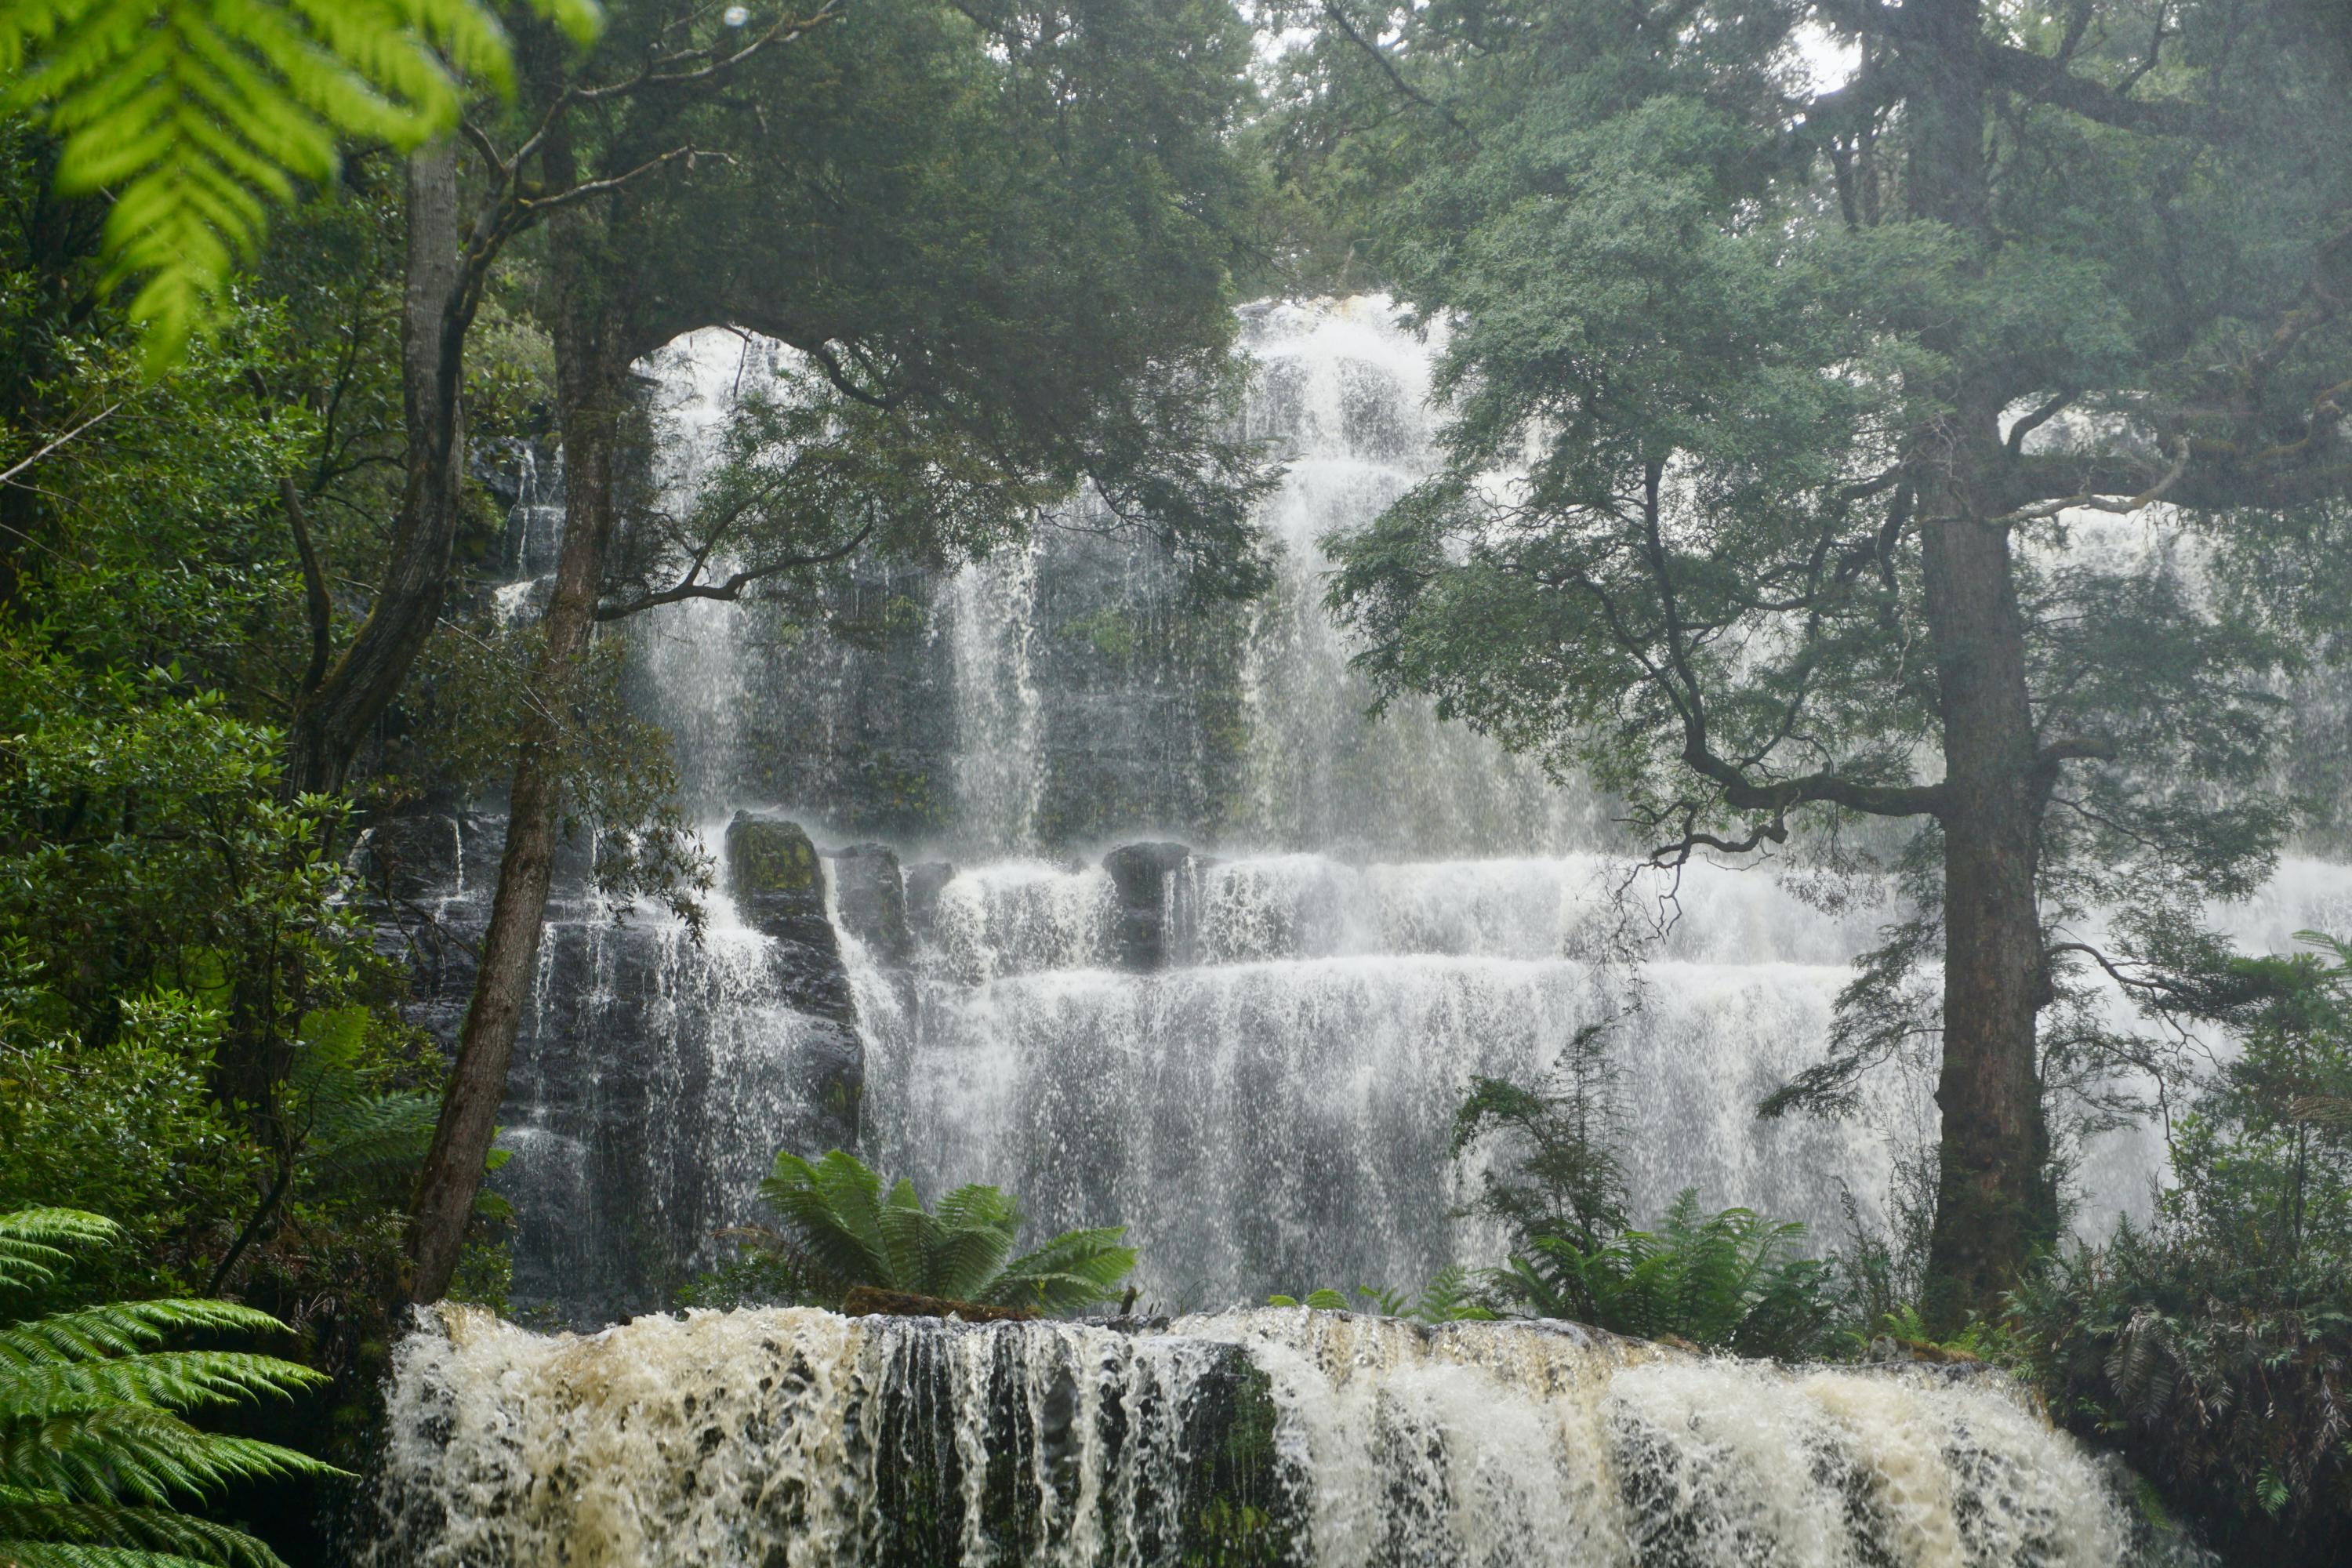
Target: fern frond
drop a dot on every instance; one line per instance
(849, 1232)
(833, 1210)
(120, 1328)
(1076, 1269)
(67, 1554)
(165, 1380)
(118, 1452)
(198, 115)
(35, 1243)
(372, 1136)
(140, 1535)
(92, 1452)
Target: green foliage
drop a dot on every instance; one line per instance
(1002, 239)
(130, 1125)
(196, 115)
(97, 1456)
(2214, 1347)
(1564, 1179)
(1727, 357)
(1731, 1279)
(195, 1034)
(844, 1230)
(620, 779)
(1453, 1295)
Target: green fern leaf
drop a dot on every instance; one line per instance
(196, 116)
(94, 1455)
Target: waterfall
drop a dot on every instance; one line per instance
(1270, 1109)
(1242, 1031)
(1036, 871)
(1275, 1438)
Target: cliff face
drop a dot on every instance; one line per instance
(656, 1073)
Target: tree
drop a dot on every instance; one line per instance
(95, 1454)
(196, 1035)
(996, 237)
(843, 1231)
(1772, 406)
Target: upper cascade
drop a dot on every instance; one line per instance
(1172, 935)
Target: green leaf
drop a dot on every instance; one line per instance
(196, 116)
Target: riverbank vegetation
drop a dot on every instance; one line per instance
(1809, 330)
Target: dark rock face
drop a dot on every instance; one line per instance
(778, 881)
(1153, 902)
(924, 880)
(1141, 720)
(871, 895)
(655, 1075)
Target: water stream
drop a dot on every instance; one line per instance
(1126, 907)
(791, 1437)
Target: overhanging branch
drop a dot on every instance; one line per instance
(690, 587)
(2044, 80)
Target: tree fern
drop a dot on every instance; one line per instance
(846, 1231)
(95, 1453)
(196, 115)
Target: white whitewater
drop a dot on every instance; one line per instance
(1370, 916)
(1375, 913)
(794, 1438)
(1272, 1111)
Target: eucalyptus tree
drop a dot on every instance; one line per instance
(996, 236)
(1773, 406)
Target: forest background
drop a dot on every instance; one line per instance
(254, 348)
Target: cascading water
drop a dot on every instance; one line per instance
(1241, 1031)
(1246, 1050)
(1269, 1107)
(1277, 1437)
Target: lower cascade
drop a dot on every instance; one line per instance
(1278, 1435)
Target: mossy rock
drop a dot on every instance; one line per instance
(768, 856)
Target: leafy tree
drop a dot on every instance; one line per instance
(843, 1230)
(2215, 1346)
(1773, 406)
(96, 1457)
(193, 115)
(996, 241)
(195, 1034)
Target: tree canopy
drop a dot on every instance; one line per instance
(1783, 414)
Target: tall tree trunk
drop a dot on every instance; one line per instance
(331, 724)
(1993, 1202)
(590, 369)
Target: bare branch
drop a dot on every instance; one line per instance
(320, 607)
(587, 188)
(688, 587)
(1338, 18)
(2087, 500)
(2044, 80)
(784, 30)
